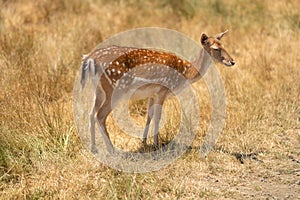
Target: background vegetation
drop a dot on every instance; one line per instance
(258, 154)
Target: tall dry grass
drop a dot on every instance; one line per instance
(257, 156)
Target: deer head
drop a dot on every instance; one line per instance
(216, 50)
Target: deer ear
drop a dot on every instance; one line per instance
(220, 35)
(203, 39)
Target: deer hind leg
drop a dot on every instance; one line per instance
(149, 118)
(92, 131)
(99, 100)
(101, 115)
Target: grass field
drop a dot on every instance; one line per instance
(257, 155)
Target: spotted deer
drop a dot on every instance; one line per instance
(148, 73)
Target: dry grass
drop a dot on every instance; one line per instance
(258, 154)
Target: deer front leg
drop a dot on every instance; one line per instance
(149, 118)
(157, 116)
(157, 108)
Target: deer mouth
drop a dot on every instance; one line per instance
(228, 63)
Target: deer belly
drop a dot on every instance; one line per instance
(140, 87)
(145, 91)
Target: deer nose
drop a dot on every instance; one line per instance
(232, 62)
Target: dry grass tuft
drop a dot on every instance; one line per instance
(257, 156)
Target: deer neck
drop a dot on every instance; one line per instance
(199, 66)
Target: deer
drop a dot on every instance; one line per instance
(152, 74)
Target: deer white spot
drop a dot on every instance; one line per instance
(117, 63)
(179, 61)
(123, 64)
(184, 70)
(119, 72)
(113, 69)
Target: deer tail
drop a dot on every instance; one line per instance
(87, 69)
